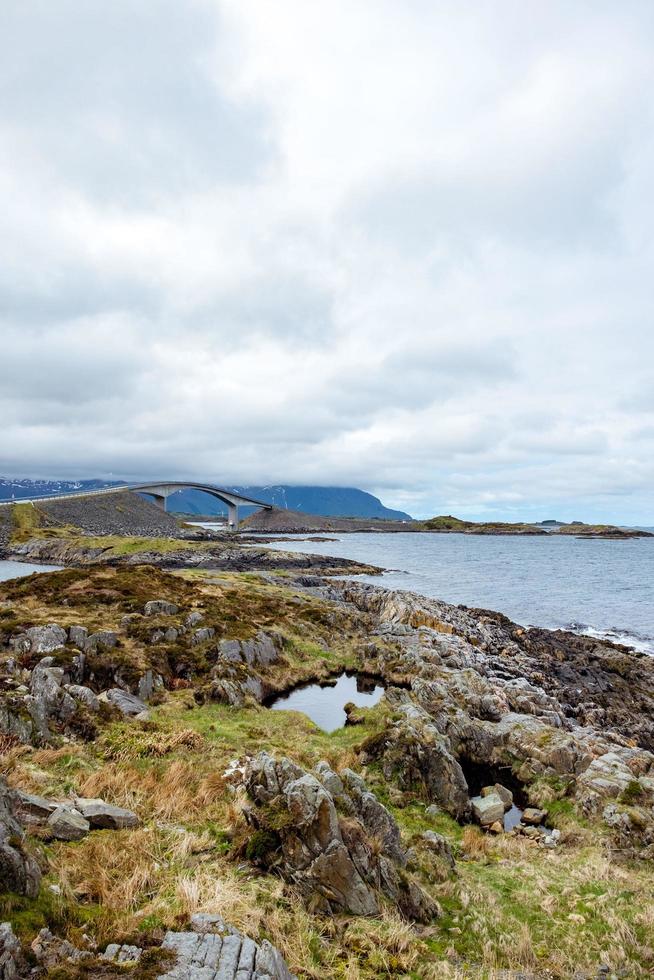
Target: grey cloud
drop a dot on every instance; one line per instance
(116, 98)
(424, 270)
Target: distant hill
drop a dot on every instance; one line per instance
(322, 501)
(17, 488)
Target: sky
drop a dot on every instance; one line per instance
(405, 245)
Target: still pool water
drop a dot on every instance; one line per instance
(324, 704)
(18, 569)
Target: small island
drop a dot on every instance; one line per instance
(446, 524)
(607, 531)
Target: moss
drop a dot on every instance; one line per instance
(631, 793)
(152, 964)
(262, 847)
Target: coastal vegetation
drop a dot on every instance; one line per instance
(500, 901)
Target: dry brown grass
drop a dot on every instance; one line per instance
(475, 843)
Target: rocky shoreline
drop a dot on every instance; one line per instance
(153, 686)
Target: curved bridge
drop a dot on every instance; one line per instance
(159, 491)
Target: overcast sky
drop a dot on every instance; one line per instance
(405, 245)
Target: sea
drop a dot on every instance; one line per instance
(19, 569)
(602, 588)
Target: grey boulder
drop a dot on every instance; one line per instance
(101, 815)
(19, 872)
(67, 823)
(12, 964)
(488, 809)
(46, 639)
(128, 704)
(160, 607)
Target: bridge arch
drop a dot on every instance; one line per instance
(160, 491)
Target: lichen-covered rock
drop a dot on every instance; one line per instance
(46, 689)
(202, 635)
(329, 857)
(439, 845)
(149, 684)
(46, 639)
(50, 951)
(160, 607)
(210, 950)
(103, 640)
(260, 651)
(128, 704)
(504, 794)
(419, 758)
(77, 635)
(532, 816)
(19, 871)
(84, 695)
(217, 951)
(12, 962)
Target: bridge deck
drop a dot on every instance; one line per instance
(160, 490)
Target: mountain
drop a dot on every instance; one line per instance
(17, 488)
(322, 501)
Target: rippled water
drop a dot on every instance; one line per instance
(324, 704)
(18, 569)
(605, 588)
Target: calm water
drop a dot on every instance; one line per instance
(324, 705)
(17, 569)
(603, 587)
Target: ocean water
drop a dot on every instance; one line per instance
(18, 569)
(603, 588)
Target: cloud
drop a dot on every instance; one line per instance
(404, 246)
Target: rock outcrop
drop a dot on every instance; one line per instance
(211, 949)
(12, 961)
(214, 950)
(329, 836)
(482, 695)
(19, 870)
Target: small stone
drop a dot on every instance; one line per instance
(67, 823)
(437, 843)
(497, 827)
(504, 794)
(433, 811)
(487, 809)
(533, 816)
